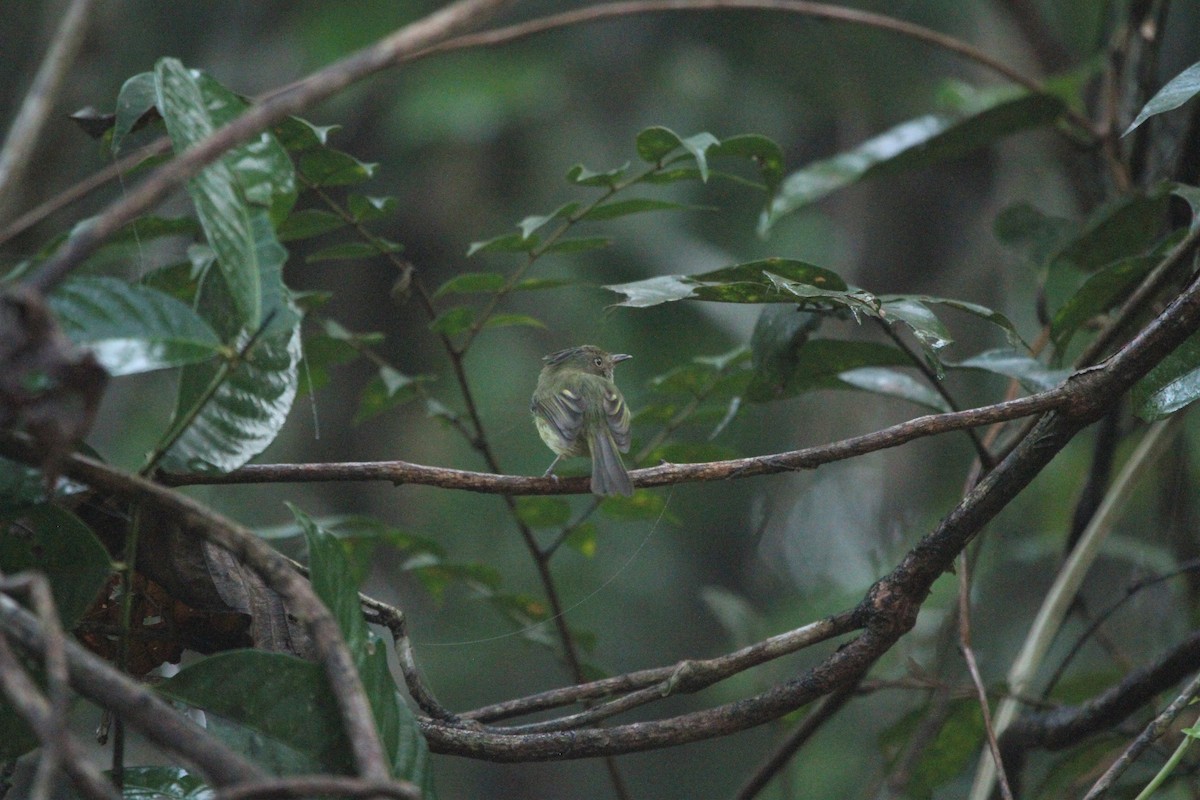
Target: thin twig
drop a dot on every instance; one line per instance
(26, 130)
(1148, 736)
(784, 751)
(968, 653)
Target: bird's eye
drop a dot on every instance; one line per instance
(599, 362)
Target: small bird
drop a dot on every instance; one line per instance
(579, 411)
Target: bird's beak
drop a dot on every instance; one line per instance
(619, 357)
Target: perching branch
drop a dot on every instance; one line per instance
(402, 472)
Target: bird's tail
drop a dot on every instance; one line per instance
(608, 471)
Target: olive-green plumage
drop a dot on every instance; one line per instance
(579, 411)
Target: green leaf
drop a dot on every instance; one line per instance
(453, 320)
(365, 208)
(1124, 227)
(247, 410)
(856, 301)
(326, 167)
(132, 328)
(262, 166)
(636, 205)
(930, 139)
(762, 151)
(307, 223)
(1172, 384)
(531, 224)
(1176, 92)
(742, 283)
(655, 143)
(1029, 372)
(579, 245)
(163, 783)
(505, 243)
(137, 96)
(1103, 291)
(510, 320)
(249, 406)
(351, 251)
(924, 324)
(817, 364)
(471, 282)
(333, 581)
(298, 135)
(778, 335)
(283, 699)
(214, 191)
(582, 176)
(55, 542)
(890, 383)
(543, 512)
(1002, 322)
(1033, 233)
(388, 389)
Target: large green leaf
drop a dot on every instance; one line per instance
(262, 166)
(1124, 227)
(743, 283)
(53, 541)
(132, 328)
(283, 699)
(334, 582)
(979, 120)
(247, 409)
(1176, 92)
(250, 404)
(1102, 291)
(219, 204)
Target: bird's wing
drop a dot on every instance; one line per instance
(564, 411)
(617, 414)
